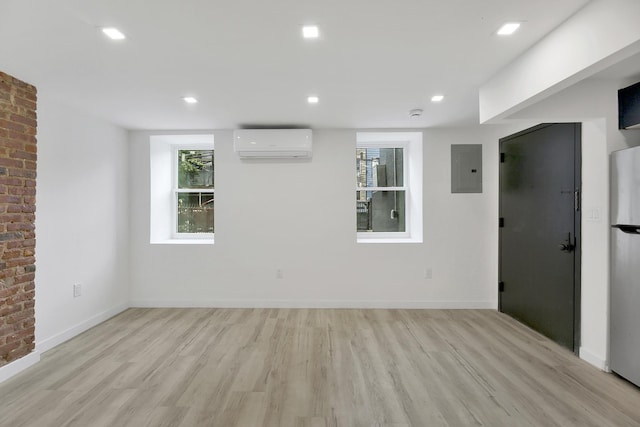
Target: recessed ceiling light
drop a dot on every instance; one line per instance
(437, 98)
(312, 99)
(190, 100)
(508, 28)
(113, 33)
(310, 32)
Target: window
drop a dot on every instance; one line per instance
(193, 191)
(380, 196)
(389, 187)
(182, 188)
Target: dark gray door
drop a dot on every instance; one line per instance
(540, 230)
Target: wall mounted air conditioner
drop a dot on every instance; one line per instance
(272, 143)
(629, 107)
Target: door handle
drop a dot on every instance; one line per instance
(567, 246)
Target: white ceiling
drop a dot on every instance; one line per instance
(246, 62)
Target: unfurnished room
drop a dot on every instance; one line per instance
(320, 214)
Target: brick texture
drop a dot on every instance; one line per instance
(18, 155)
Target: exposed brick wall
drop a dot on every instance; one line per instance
(18, 156)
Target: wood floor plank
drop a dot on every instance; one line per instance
(314, 368)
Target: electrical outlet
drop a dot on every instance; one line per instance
(77, 290)
(427, 273)
(279, 274)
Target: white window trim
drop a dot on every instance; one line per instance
(163, 151)
(175, 235)
(411, 142)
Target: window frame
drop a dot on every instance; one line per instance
(176, 190)
(163, 166)
(411, 143)
(405, 187)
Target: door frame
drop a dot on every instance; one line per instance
(577, 221)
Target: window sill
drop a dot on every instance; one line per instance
(184, 242)
(389, 240)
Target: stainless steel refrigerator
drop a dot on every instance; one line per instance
(625, 264)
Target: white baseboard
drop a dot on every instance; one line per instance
(315, 304)
(17, 366)
(32, 358)
(51, 342)
(594, 360)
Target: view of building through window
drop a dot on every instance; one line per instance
(195, 190)
(380, 189)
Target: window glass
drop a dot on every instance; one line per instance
(195, 191)
(380, 167)
(195, 213)
(195, 168)
(380, 211)
(380, 192)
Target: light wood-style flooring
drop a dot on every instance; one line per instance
(314, 368)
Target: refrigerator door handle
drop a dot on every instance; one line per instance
(629, 229)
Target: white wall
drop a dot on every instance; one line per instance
(81, 222)
(299, 216)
